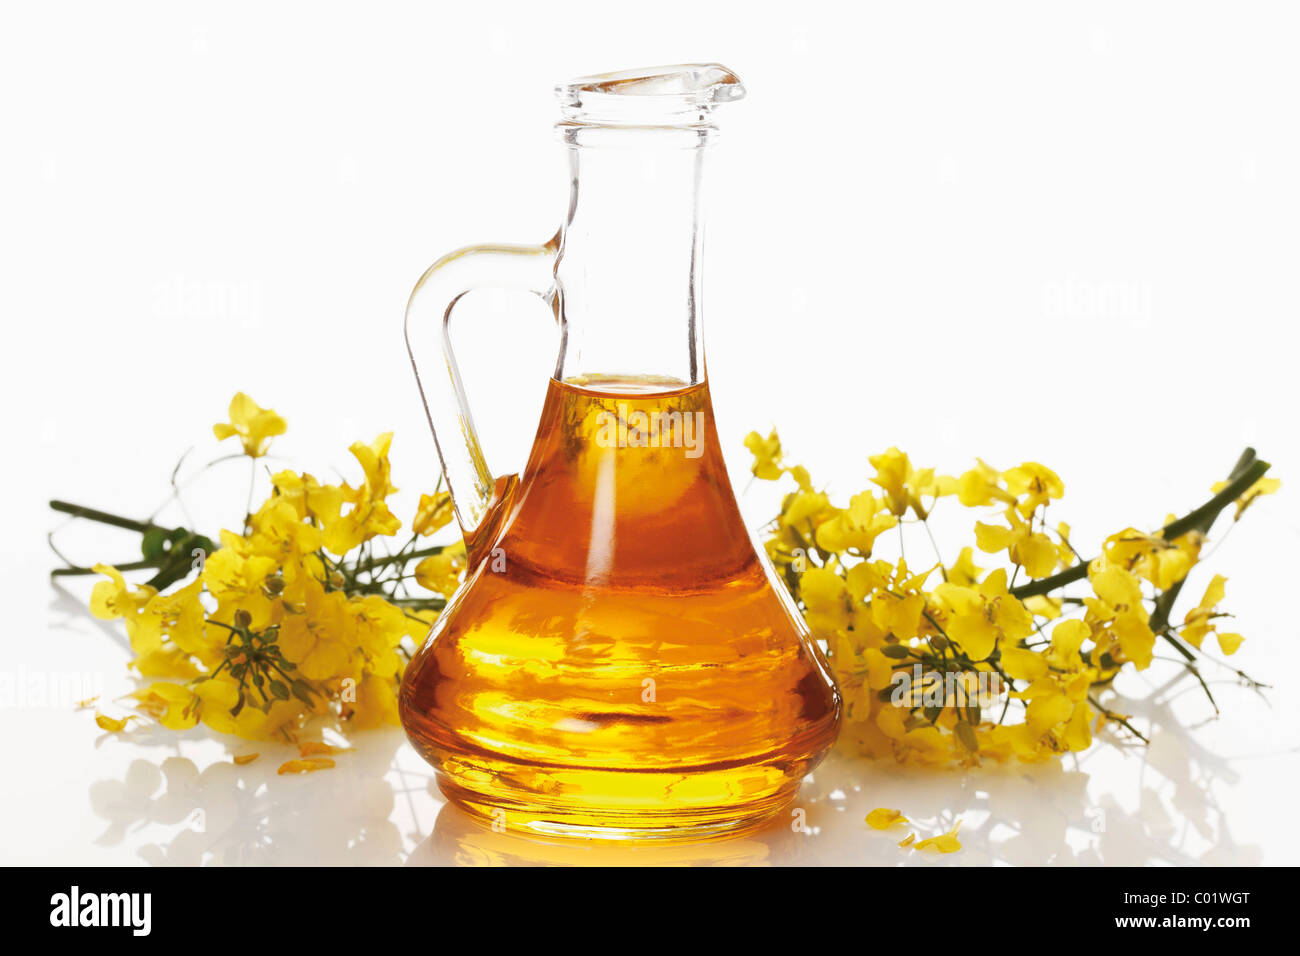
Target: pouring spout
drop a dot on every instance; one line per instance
(684, 94)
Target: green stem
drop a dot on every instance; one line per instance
(1247, 471)
(103, 517)
(1112, 716)
(1159, 622)
(130, 524)
(371, 563)
(1178, 645)
(419, 604)
(1198, 522)
(128, 566)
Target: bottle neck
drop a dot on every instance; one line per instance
(628, 273)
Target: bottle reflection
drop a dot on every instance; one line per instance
(460, 840)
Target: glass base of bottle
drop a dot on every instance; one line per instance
(556, 817)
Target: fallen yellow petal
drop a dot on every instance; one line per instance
(112, 725)
(944, 843)
(1229, 642)
(310, 765)
(310, 747)
(882, 818)
(908, 840)
(241, 759)
(84, 704)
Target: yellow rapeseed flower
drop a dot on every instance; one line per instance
(1032, 550)
(1200, 619)
(434, 512)
(1118, 608)
(1265, 486)
(767, 455)
(253, 425)
(441, 572)
(977, 618)
(904, 486)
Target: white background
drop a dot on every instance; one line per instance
(1063, 232)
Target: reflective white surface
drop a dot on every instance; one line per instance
(1219, 793)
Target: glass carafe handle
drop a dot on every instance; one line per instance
(474, 492)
